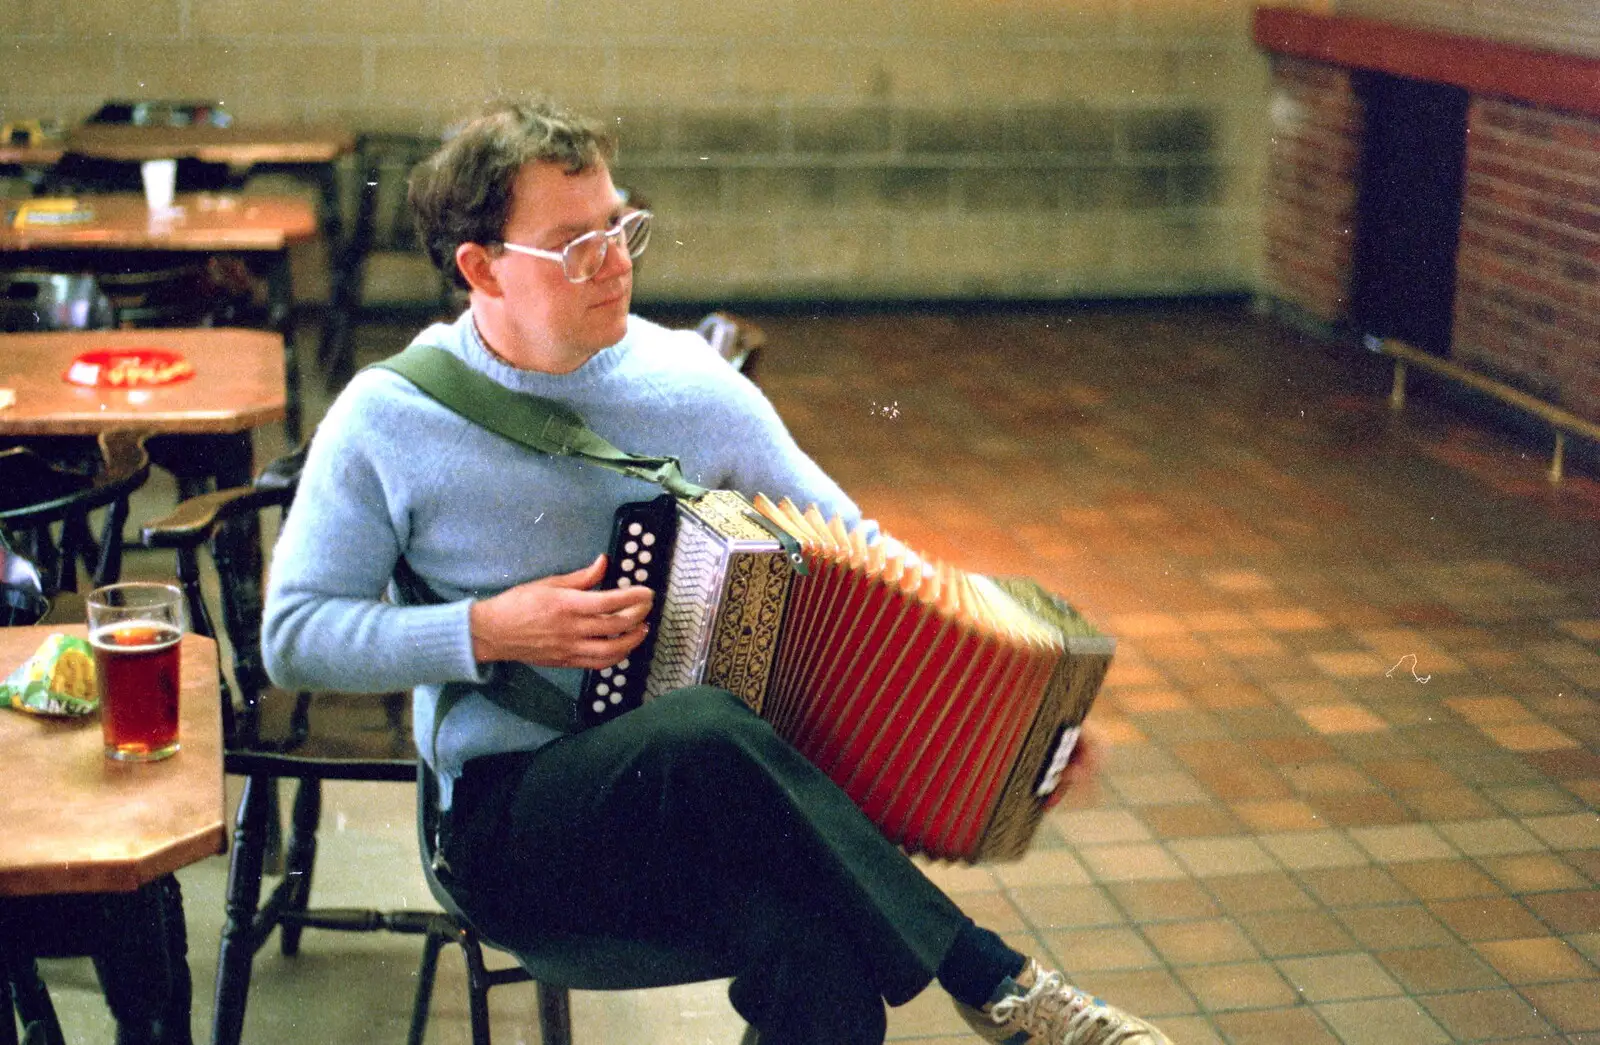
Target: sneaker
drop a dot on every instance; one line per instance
(1041, 1008)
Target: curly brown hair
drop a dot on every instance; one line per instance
(462, 193)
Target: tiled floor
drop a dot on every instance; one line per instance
(1351, 793)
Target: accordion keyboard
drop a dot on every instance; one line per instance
(641, 554)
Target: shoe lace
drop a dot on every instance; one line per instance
(1053, 1012)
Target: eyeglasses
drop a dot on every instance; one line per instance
(582, 258)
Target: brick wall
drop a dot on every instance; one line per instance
(839, 148)
(1527, 303)
(1311, 188)
(1528, 291)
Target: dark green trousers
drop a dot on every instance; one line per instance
(689, 822)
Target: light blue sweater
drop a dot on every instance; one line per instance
(392, 473)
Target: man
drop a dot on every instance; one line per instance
(686, 821)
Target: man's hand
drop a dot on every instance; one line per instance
(560, 622)
(1082, 765)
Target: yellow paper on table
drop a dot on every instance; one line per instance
(57, 680)
(52, 210)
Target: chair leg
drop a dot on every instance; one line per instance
(427, 973)
(300, 861)
(237, 950)
(555, 1015)
(32, 1001)
(478, 993)
(8, 1008)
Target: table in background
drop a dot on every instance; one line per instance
(238, 386)
(254, 226)
(310, 153)
(83, 829)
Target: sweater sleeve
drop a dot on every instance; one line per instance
(764, 457)
(327, 622)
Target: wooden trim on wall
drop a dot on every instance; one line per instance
(1548, 79)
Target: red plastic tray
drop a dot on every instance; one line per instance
(128, 368)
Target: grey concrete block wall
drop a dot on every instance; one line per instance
(826, 148)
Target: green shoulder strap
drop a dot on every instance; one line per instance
(529, 420)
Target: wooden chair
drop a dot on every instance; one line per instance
(383, 226)
(270, 736)
(736, 339)
(32, 300)
(63, 518)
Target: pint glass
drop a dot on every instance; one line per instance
(134, 629)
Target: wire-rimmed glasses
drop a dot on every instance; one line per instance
(582, 258)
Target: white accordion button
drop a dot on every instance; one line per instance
(648, 539)
(624, 582)
(599, 706)
(641, 575)
(635, 529)
(645, 556)
(630, 547)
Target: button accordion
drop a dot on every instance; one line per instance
(944, 703)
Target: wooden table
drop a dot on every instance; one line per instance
(206, 222)
(78, 822)
(259, 226)
(239, 146)
(307, 152)
(238, 385)
(89, 847)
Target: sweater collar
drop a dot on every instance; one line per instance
(463, 340)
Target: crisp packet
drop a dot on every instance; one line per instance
(57, 680)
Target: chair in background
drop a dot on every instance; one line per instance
(383, 226)
(132, 292)
(76, 173)
(62, 519)
(32, 301)
(737, 340)
(162, 112)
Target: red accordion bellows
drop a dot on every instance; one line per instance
(933, 697)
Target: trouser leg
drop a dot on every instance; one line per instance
(689, 819)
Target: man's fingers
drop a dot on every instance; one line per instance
(619, 600)
(604, 652)
(582, 579)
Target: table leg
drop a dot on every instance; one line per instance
(144, 966)
(138, 942)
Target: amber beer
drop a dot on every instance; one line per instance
(135, 631)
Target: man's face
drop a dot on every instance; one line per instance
(552, 323)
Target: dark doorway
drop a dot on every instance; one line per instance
(1408, 210)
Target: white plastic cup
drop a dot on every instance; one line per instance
(160, 183)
